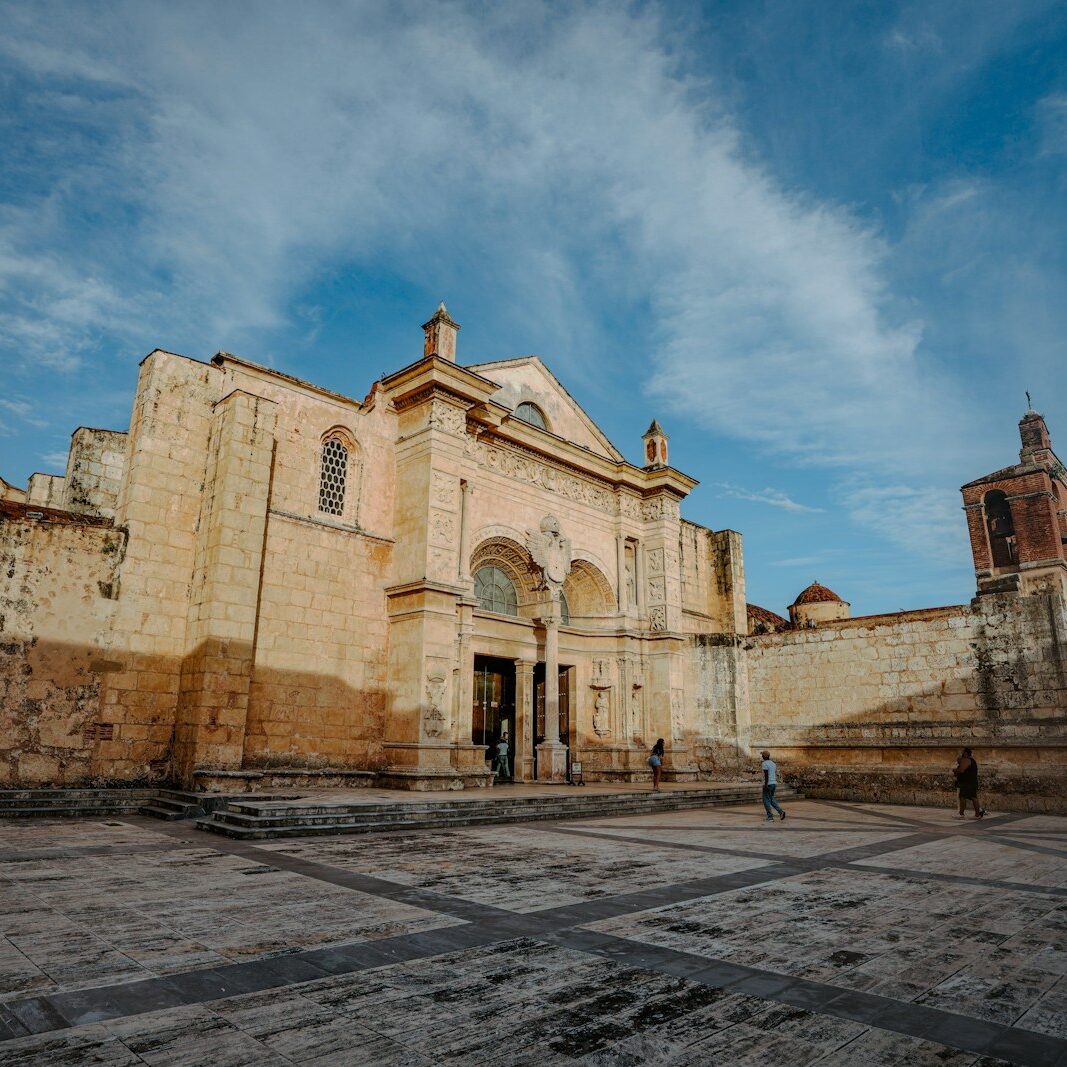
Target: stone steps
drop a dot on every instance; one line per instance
(249, 821)
(88, 803)
(70, 803)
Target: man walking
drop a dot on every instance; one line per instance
(770, 783)
(966, 772)
(502, 769)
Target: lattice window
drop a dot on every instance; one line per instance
(495, 591)
(333, 477)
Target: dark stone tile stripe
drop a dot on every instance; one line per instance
(1023, 1047)
(821, 862)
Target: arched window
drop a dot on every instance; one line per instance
(564, 609)
(495, 591)
(532, 414)
(333, 476)
(1001, 529)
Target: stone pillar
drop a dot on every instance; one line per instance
(462, 725)
(551, 754)
(620, 563)
(524, 720)
(639, 576)
(464, 531)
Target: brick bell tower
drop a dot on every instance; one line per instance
(1017, 518)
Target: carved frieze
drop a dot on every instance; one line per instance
(447, 417)
(657, 618)
(524, 467)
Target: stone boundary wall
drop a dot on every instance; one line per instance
(878, 707)
(57, 588)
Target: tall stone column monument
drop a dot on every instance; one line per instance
(551, 552)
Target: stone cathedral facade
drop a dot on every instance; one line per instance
(264, 583)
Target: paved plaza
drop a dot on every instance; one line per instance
(850, 934)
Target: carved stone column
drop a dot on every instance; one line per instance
(551, 753)
(461, 726)
(524, 720)
(639, 564)
(464, 531)
(620, 561)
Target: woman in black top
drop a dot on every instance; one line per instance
(966, 772)
(655, 761)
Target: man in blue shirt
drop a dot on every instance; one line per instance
(770, 783)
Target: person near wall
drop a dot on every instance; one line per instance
(966, 772)
(770, 783)
(502, 769)
(655, 761)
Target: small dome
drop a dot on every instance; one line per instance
(818, 594)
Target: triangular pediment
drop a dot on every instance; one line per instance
(526, 379)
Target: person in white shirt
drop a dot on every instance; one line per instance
(502, 769)
(770, 783)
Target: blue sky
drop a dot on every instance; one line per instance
(823, 243)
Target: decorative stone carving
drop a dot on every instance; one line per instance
(657, 618)
(434, 723)
(524, 467)
(602, 714)
(636, 708)
(657, 590)
(550, 551)
(654, 558)
(447, 417)
(601, 674)
(444, 489)
(677, 715)
(442, 528)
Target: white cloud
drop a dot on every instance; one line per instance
(56, 461)
(924, 520)
(774, 497)
(797, 561)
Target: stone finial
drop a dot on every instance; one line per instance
(441, 333)
(655, 446)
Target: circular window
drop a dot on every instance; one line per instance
(532, 414)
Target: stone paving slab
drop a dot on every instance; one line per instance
(682, 938)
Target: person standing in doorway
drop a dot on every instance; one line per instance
(966, 772)
(770, 784)
(655, 761)
(502, 769)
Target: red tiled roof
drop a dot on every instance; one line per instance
(758, 614)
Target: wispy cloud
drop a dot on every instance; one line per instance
(797, 561)
(774, 497)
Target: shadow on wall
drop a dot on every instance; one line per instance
(73, 715)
